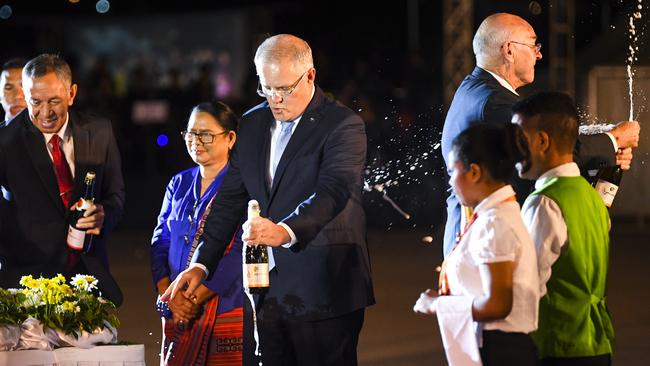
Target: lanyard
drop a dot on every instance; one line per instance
(443, 283)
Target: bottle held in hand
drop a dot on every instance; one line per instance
(257, 258)
(77, 237)
(607, 183)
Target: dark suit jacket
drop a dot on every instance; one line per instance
(35, 220)
(317, 193)
(481, 99)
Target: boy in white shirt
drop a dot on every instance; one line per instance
(570, 227)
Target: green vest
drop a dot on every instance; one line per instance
(573, 317)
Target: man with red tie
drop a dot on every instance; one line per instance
(45, 154)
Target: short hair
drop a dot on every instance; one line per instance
(46, 63)
(558, 117)
(493, 32)
(14, 63)
(495, 149)
(225, 117)
(284, 46)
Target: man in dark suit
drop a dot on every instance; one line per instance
(11, 89)
(506, 51)
(310, 194)
(46, 178)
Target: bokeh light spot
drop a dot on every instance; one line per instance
(102, 6)
(162, 140)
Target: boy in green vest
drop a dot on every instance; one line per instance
(570, 228)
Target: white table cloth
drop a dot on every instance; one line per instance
(132, 355)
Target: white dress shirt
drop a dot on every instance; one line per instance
(545, 222)
(67, 144)
(503, 82)
(498, 235)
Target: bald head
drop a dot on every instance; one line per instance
(284, 47)
(493, 32)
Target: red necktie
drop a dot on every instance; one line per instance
(62, 169)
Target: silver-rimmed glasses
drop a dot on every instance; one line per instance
(537, 47)
(283, 92)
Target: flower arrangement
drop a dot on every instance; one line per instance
(71, 310)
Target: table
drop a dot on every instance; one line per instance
(131, 355)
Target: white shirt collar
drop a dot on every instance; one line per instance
(62, 131)
(502, 81)
(495, 198)
(565, 170)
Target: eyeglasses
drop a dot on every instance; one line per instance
(282, 92)
(204, 137)
(537, 47)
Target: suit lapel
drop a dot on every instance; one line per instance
(300, 135)
(35, 147)
(81, 139)
(265, 152)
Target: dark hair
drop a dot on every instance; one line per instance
(14, 63)
(46, 63)
(221, 112)
(494, 148)
(558, 117)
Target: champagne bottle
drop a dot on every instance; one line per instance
(257, 258)
(77, 237)
(607, 181)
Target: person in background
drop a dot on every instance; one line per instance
(12, 97)
(506, 49)
(301, 155)
(12, 100)
(570, 228)
(490, 277)
(206, 328)
(45, 153)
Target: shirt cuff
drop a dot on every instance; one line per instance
(291, 234)
(204, 268)
(611, 137)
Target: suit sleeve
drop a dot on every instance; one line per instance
(225, 216)
(593, 152)
(113, 185)
(339, 175)
(228, 273)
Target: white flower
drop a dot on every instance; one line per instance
(84, 282)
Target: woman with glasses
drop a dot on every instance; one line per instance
(206, 328)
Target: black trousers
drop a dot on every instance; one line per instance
(505, 349)
(289, 342)
(601, 360)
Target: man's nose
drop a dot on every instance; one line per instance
(275, 97)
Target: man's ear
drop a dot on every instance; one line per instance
(73, 93)
(506, 52)
(544, 141)
(475, 173)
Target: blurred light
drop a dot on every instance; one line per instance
(102, 6)
(162, 140)
(535, 8)
(5, 12)
(73, 1)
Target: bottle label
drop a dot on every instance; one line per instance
(257, 274)
(607, 191)
(83, 204)
(76, 238)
